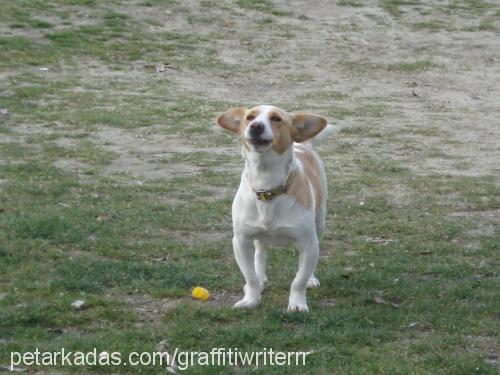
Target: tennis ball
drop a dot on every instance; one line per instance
(200, 293)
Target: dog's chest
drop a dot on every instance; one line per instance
(268, 215)
(278, 221)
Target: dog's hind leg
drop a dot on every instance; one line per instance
(313, 282)
(261, 261)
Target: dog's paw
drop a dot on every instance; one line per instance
(246, 303)
(297, 303)
(297, 307)
(313, 282)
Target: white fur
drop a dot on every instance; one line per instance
(259, 225)
(263, 118)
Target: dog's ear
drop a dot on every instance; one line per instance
(231, 120)
(305, 126)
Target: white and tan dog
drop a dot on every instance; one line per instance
(282, 195)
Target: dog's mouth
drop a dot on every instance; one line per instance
(259, 142)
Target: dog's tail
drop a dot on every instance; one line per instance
(328, 131)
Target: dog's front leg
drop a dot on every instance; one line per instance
(260, 261)
(308, 257)
(244, 254)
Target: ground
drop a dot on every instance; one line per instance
(116, 184)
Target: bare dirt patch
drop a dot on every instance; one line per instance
(488, 345)
(150, 309)
(485, 222)
(443, 79)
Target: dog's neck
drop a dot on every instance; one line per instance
(268, 170)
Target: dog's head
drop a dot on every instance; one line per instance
(265, 127)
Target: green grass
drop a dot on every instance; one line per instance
(393, 6)
(84, 151)
(432, 26)
(366, 68)
(350, 3)
(133, 246)
(265, 6)
(415, 66)
(12, 150)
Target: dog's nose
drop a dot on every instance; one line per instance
(256, 129)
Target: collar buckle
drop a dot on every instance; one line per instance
(264, 195)
(267, 195)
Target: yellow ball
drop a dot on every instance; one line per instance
(200, 293)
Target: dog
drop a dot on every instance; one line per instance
(281, 198)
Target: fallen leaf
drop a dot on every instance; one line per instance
(80, 305)
(102, 217)
(160, 68)
(380, 301)
(377, 240)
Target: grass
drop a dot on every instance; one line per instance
(415, 66)
(265, 6)
(367, 68)
(409, 264)
(350, 3)
(394, 6)
(84, 151)
(433, 26)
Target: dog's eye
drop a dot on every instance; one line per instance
(250, 117)
(276, 118)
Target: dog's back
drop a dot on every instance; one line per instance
(312, 168)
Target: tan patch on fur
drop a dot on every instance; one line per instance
(282, 138)
(300, 189)
(311, 173)
(232, 119)
(305, 126)
(235, 120)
